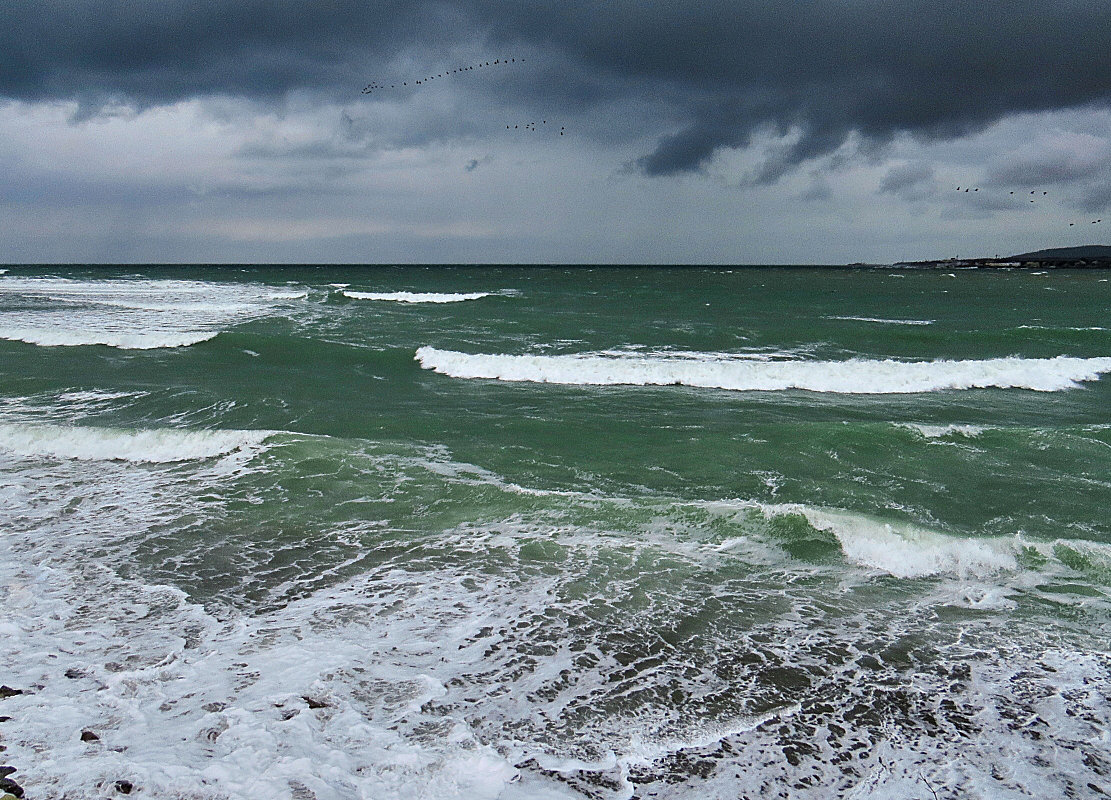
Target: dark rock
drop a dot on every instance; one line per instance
(124, 787)
(4, 719)
(89, 736)
(313, 702)
(73, 673)
(11, 787)
(7, 691)
(6, 771)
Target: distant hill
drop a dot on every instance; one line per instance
(1088, 251)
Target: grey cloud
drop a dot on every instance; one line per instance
(911, 181)
(1073, 164)
(1052, 168)
(818, 190)
(1097, 196)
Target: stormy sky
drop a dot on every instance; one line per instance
(729, 131)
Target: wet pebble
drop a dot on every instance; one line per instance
(313, 702)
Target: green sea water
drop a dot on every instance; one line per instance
(557, 532)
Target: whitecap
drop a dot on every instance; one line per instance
(60, 337)
(942, 431)
(417, 297)
(723, 371)
(1063, 328)
(884, 321)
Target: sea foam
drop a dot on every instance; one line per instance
(721, 371)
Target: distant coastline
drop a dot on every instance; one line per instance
(1086, 257)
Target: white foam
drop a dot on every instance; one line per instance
(130, 314)
(723, 371)
(644, 750)
(883, 321)
(112, 444)
(417, 297)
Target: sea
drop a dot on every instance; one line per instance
(552, 533)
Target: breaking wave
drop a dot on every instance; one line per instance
(130, 314)
(721, 371)
(114, 444)
(899, 548)
(909, 551)
(123, 340)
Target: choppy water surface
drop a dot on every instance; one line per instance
(556, 533)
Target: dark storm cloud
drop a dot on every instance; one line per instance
(714, 73)
(475, 163)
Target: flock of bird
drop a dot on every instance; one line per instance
(532, 127)
(376, 86)
(1033, 192)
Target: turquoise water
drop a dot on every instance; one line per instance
(557, 532)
